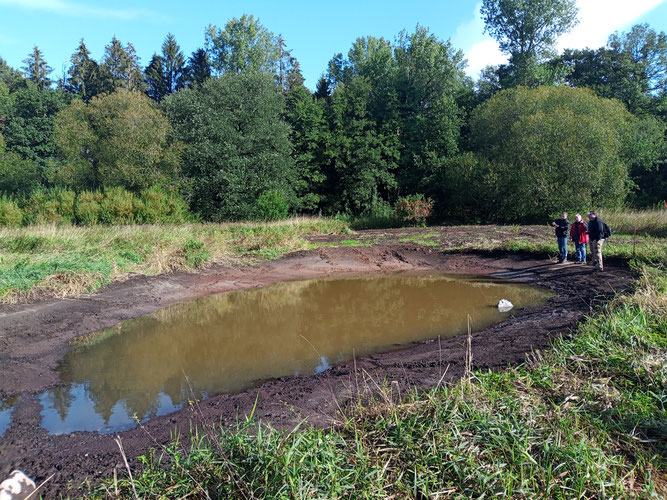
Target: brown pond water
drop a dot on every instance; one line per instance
(228, 342)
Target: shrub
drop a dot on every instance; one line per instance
(380, 215)
(88, 207)
(414, 209)
(161, 206)
(18, 177)
(10, 213)
(54, 206)
(117, 207)
(272, 205)
(195, 253)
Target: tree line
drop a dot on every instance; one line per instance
(233, 131)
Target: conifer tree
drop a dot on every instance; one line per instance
(83, 74)
(156, 85)
(199, 68)
(120, 67)
(36, 69)
(174, 64)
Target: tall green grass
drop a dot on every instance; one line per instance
(585, 419)
(63, 260)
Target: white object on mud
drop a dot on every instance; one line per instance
(17, 487)
(504, 305)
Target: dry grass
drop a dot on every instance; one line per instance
(63, 260)
(643, 222)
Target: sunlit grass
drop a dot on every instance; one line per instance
(68, 260)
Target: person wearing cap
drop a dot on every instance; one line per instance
(562, 226)
(596, 237)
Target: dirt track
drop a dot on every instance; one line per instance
(33, 338)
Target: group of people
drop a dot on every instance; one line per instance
(594, 233)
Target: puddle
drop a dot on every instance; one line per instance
(226, 343)
(6, 408)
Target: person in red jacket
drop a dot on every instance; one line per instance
(579, 235)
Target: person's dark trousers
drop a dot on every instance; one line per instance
(562, 248)
(581, 251)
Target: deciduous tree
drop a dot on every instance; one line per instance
(118, 139)
(238, 144)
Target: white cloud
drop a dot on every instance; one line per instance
(480, 50)
(600, 18)
(72, 9)
(597, 20)
(483, 54)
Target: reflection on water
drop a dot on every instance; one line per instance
(225, 343)
(6, 408)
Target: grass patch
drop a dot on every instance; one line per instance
(585, 419)
(69, 260)
(643, 222)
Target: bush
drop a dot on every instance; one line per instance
(272, 205)
(118, 206)
(88, 207)
(18, 177)
(10, 213)
(543, 150)
(414, 209)
(160, 206)
(195, 253)
(380, 215)
(54, 206)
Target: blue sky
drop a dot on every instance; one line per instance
(313, 30)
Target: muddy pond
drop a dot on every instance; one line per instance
(225, 343)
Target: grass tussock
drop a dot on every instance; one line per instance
(643, 222)
(65, 260)
(583, 420)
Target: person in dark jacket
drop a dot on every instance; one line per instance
(596, 236)
(579, 235)
(562, 226)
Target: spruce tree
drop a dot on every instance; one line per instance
(36, 69)
(174, 64)
(83, 74)
(120, 67)
(199, 68)
(156, 85)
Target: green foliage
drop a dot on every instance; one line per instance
(540, 151)
(244, 44)
(159, 206)
(18, 177)
(120, 68)
(272, 205)
(528, 28)
(52, 206)
(118, 206)
(83, 76)
(10, 213)
(36, 70)
(308, 136)
(195, 253)
(88, 207)
(237, 143)
(27, 124)
(380, 215)
(118, 139)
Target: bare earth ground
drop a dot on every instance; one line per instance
(34, 337)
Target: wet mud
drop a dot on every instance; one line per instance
(35, 337)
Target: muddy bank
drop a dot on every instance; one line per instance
(33, 338)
